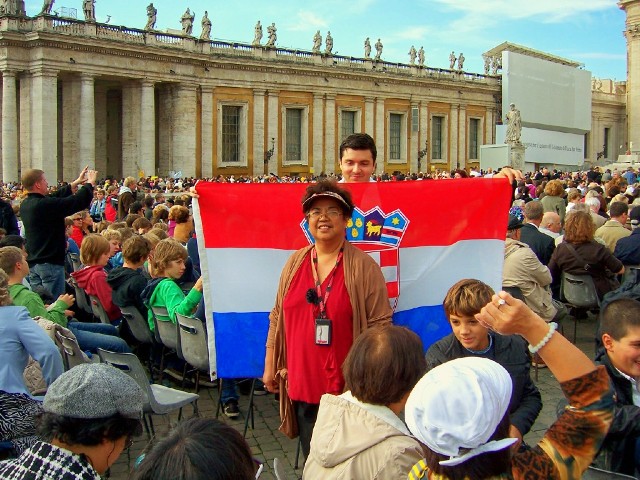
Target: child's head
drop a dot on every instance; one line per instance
(462, 302)
(115, 240)
(168, 258)
(10, 257)
(141, 225)
(620, 327)
(95, 250)
(136, 249)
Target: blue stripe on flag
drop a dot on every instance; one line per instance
(241, 337)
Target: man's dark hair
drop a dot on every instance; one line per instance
(12, 241)
(618, 316)
(618, 208)
(135, 207)
(379, 354)
(199, 449)
(80, 431)
(359, 141)
(148, 202)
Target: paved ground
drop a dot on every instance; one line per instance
(267, 443)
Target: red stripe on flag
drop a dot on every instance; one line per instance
(392, 289)
(256, 215)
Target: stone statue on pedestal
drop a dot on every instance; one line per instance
(487, 64)
(514, 126)
(46, 7)
(317, 42)
(328, 44)
(379, 47)
(187, 22)
(452, 61)
(206, 27)
(89, 8)
(421, 57)
(367, 48)
(461, 61)
(271, 30)
(152, 13)
(412, 55)
(496, 63)
(257, 34)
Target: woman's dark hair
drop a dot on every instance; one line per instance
(379, 354)
(486, 465)
(91, 431)
(329, 186)
(199, 449)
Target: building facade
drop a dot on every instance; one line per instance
(135, 102)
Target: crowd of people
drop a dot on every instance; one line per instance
(343, 372)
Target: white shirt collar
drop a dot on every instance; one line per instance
(380, 411)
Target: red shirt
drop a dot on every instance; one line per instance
(314, 370)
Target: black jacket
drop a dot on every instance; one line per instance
(510, 352)
(618, 450)
(541, 243)
(628, 249)
(43, 220)
(8, 219)
(127, 286)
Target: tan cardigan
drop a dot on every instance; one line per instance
(367, 291)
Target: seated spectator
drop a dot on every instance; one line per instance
(358, 434)
(551, 225)
(91, 414)
(90, 336)
(628, 248)
(620, 329)
(82, 223)
(115, 255)
(458, 410)
(594, 203)
(94, 255)
(20, 338)
(614, 229)
(72, 246)
(141, 226)
(180, 219)
(163, 291)
(552, 200)
(132, 217)
(463, 301)
(200, 449)
(541, 244)
(580, 254)
(128, 282)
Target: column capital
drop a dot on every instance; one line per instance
(318, 96)
(87, 76)
(145, 82)
(330, 96)
(9, 72)
(273, 93)
(44, 72)
(259, 91)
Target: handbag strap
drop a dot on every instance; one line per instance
(577, 256)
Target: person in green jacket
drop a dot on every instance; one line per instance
(169, 264)
(90, 336)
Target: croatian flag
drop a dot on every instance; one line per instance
(425, 235)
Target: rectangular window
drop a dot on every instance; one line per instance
(294, 134)
(474, 134)
(395, 136)
(585, 147)
(348, 126)
(231, 120)
(437, 124)
(605, 147)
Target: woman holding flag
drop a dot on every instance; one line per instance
(329, 293)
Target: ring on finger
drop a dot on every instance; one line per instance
(501, 302)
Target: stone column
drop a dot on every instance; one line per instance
(379, 129)
(25, 122)
(462, 136)
(369, 105)
(424, 137)
(330, 154)
(320, 163)
(632, 34)
(87, 121)
(489, 128)
(101, 129)
(452, 135)
(71, 124)
(147, 128)
(414, 146)
(258, 131)
(9, 126)
(184, 140)
(273, 114)
(44, 124)
(130, 129)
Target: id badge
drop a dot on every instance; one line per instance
(323, 331)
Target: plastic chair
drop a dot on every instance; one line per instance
(81, 296)
(193, 344)
(139, 327)
(159, 400)
(166, 334)
(593, 473)
(579, 291)
(278, 469)
(98, 310)
(72, 354)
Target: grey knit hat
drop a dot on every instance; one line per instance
(94, 390)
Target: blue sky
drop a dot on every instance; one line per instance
(587, 31)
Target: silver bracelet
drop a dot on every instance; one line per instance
(553, 326)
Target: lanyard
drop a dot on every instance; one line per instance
(322, 302)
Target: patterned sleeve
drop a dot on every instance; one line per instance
(571, 443)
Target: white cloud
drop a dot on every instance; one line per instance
(550, 11)
(307, 21)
